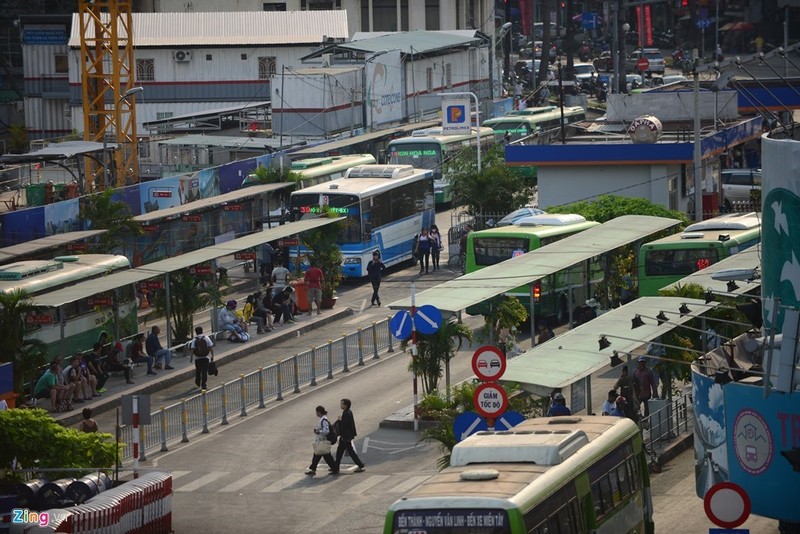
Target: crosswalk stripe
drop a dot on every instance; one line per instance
(242, 482)
(202, 481)
(409, 484)
(323, 483)
(178, 474)
(369, 483)
(284, 483)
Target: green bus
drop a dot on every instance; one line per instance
(667, 260)
(527, 122)
(494, 245)
(430, 149)
(565, 475)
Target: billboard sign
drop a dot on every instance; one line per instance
(383, 86)
(456, 116)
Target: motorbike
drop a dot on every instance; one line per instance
(602, 91)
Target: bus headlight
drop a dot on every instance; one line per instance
(352, 261)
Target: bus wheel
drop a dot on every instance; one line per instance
(562, 315)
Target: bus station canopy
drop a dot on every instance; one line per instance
(13, 252)
(747, 259)
(207, 203)
(576, 354)
(481, 285)
(340, 144)
(107, 283)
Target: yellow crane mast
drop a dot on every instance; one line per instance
(107, 77)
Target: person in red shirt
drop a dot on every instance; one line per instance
(314, 278)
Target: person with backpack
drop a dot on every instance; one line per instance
(325, 438)
(202, 353)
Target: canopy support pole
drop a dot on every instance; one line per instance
(62, 322)
(116, 313)
(533, 319)
(168, 306)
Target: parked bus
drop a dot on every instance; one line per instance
(385, 206)
(82, 320)
(526, 122)
(667, 260)
(429, 149)
(494, 245)
(566, 475)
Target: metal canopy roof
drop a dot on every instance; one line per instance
(222, 141)
(198, 205)
(416, 42)
(576, 354)
(160, 268)
(478, 286)
(207, 119)
(747, 259)
(22, 249)
(56, 151)
(341, 143)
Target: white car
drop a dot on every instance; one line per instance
(737, 184)
(585, 72)
(654, 58)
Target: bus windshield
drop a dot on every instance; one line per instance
(517, 129)
(681, 261)
(420, 155)
(308, 206)
(492, 250)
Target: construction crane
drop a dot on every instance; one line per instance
(107, 78)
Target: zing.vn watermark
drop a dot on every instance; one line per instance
(21, 516)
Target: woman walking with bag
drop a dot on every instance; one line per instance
(436, 246)
(424, 250)
(322, 445)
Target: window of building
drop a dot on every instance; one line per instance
(160, 115)
(448, 75)
(145, 70)
(244, 57)
(208, 57)
(429, 79)
(274, 7)
(144, 149)
(267, 68)
(61, 63)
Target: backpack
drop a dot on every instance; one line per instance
(201, 348)
(332, 436)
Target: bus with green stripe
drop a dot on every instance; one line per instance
(665, 261)
(565, 475)
(495, 245)
(527, 122)
(430, 149)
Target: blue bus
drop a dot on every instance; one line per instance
(385, 206)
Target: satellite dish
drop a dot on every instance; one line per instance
(281, 162)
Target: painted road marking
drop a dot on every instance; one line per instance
(409, 484)
(284, 483)
(368, 484)
(244, 481)
(178, 474)
(202, 481)
(323, 482)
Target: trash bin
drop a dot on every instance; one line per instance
(28, 493)
(87, 487)
(300, 294)
(54, 493)
(73, 191)
(34, 194)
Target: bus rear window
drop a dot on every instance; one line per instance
(451, 521)
(679, 261)
(492, 250)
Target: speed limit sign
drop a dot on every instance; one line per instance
(490, 400)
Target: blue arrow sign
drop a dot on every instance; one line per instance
(427, 319)
(703, 23)
(466, 424)
(400, 325)
(508, 420)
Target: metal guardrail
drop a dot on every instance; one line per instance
(197, 413)
(668, 423)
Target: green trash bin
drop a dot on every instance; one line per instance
(59, 193)
(34, 194)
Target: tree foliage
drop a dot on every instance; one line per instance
(435, 350)
(606, 207)
(35, 439)
(507, 312)
(496, 189)
(188, 295)
(325, 253)
(101, 212)
(26, 353)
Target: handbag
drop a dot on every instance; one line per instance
(322, 446)
(212, 368)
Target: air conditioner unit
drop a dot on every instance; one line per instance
(182, 56)
(327, 59)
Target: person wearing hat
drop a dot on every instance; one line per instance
(620, 407)
(229, 322)
(559, 406)
(375, 269)
(610, 403)
(647, 383)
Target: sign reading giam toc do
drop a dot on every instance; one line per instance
(490, 400)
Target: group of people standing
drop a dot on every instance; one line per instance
(346, 432)
(427, 248)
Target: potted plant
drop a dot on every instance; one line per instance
(324, 252)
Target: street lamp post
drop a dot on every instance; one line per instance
(493, 59)
(125, 96)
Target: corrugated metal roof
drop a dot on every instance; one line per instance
(223, 141)
(576, 354)
(481, 285)
(417, 42)
(322, 148)
(231, 28)
(747, 259)
(209, 113)
(56, 151)
(192, 207)
(159, 268)
(30, 247)
(359, 36)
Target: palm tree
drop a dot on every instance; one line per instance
(102, 212)
(27, 354)
(435, 351)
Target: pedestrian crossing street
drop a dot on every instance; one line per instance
(347, 482)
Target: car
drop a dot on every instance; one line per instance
(537, 51)
(495, 363)
(584, 73)
(654, 58)
(668, 79)
(482, 364)
(738, 184)
(605, 62)
(555, 30)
